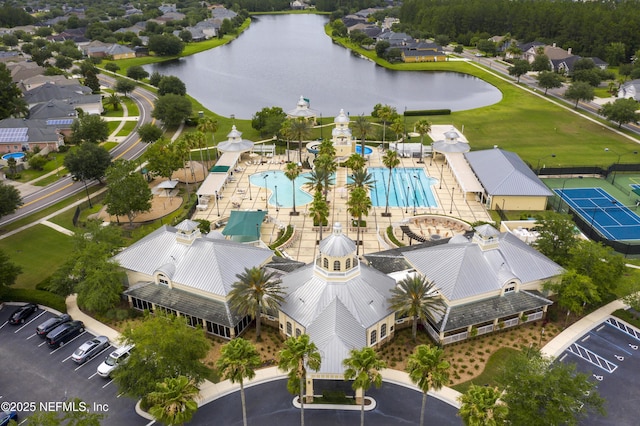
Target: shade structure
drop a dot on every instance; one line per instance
(244, 225)
(235, 143)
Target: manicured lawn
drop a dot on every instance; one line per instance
(132, 107)
(110, 112)
(127, 128)
(39, 250)
(488, 377)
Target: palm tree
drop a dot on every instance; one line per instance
(363, 367)
(326, 147)
(391, 161)
(319, 210)
(422, 127)
(428, 370)
(417, 297)
(358, 205)
(355, 162)
(363, 128)
(292, 171)
(361, 179)
(285, 130)
(317, 179)
(174, 401)
(386, 113)
(114, 101)
(300, 129)
(480, 406)
(208, 125)
(397, 126)
(298, 354)
(255, 290)
(238, 361)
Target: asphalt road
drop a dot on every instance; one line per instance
(34, 376)
(271, 404)
(130, 148)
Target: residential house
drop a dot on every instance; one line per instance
(395, 39)
(530, 50)
(169, 17)
(37, 81)
(135, 28)
(423, 52)
(167, 8)
(76, 94)
(65, 108)
(99, 49)
(18, 134)
(507, 182)
(11, 56)
(203, 30)
(24, 70)
(630, 89)
(298, 5)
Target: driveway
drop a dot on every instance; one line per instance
(31, 372)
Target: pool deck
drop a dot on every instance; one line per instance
(304, 248)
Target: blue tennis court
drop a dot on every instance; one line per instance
(609, 217)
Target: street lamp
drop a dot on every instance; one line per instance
(266, 194)
(406, 209)
(415, 197)
(441, 171)
(249, 179)
(540, 159)
(218, 203)
(277, 205)
(451, 206)
(432, 153)
(613, 180)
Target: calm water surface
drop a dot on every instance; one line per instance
(281, 57)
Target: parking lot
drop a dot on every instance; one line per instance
(34, 375)
(610, 354)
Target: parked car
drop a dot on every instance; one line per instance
(20, 315)
(64, 332)
(43, 329)
(115, 358)
(7, 416)
(90, 348)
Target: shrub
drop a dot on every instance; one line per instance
(40, 297)
(427, 112)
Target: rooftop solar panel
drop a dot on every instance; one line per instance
(59, 122)
(15, 134)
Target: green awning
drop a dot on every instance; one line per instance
(219, 169)
(243, 224)
(636, 191)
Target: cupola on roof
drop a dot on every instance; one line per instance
(337, 244)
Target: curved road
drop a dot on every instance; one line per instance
(130, 148)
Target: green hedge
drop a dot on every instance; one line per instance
(40, 297)
(420, 112)
(282, 238)
(628, 317)
(392, 237)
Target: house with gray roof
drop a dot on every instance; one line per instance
(178, 270)
(630, 89)
(507, 182)
(18, 134)
(488, 281)
(339, 302)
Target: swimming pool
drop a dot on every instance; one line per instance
(284, 194)
(367, 150)
(16, 155)
(410, 187)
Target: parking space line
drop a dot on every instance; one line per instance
(44, 342)
(107, 384)
(87, 361)
(623, 327)
(34, 334)
(59, 347)
(28, 323)
(592, 357)
(612, 344)
(5, 323)
(93, 375)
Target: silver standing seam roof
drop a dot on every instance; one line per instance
(463, 269)
(336, 314)
(207, 264)
(504, 173)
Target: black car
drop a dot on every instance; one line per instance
(20, 315)
(64, 332)
(43, 329)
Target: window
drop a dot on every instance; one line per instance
(289, 328)
(142, 305)
(336, 265)
(374, 337)
(298, 332)
(383, 331)
(509, 289)
(163, 280)
(348, 264)
(325, 263)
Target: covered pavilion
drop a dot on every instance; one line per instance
(302, 110)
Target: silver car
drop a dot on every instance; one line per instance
(90, 348)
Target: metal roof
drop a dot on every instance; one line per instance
(462, 270)
(337, 244)
(207, 309)
(336, 313)
(463, 316)
(504, 173)
(206, 264)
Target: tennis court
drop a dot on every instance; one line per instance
(605, 214)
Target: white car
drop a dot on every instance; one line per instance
(115, 358)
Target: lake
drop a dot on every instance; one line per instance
(281, 57)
